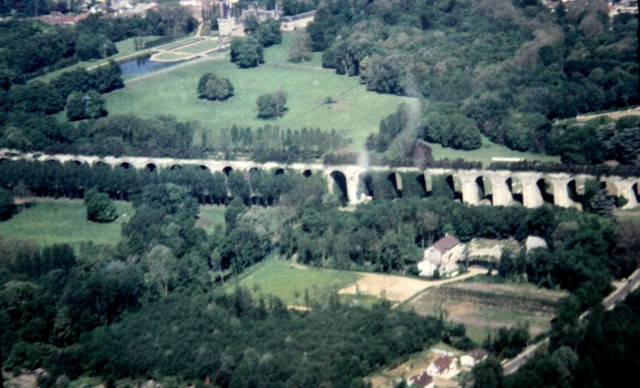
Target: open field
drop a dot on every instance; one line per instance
(487, 151)
(484, 306)
(289, 282)
(51, 221)
(356, 113)
(63, 221)
(397, 288)
(209, 217)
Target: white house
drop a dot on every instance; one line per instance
(443, 255)
(472, 358)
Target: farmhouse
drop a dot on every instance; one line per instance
(442, 256)
(443, 367)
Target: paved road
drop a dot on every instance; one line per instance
(633, 281)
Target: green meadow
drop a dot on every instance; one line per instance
(210, 217)
(49, 221)
(356, 112)
(288, 282)
(52, 221)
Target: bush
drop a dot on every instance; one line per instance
(99, 207)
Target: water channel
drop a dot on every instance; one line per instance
(142, 65)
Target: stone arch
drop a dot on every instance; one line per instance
(307, 173)
(574, 191)
(635, 191)
(253, 169)
(125, 165)
(2, 160)
(150, 167)
(451, 182)
(340, 181)
(76, 162)
(203, 167)
(176, 167)
(278, 171)
(101, 163)
(227, 170)
(51, 160)
(546, 190)
(365, 185)
(396, 182)
(421, 179)
(515, 188)
(485, 191)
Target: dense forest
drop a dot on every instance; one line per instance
(506, 69)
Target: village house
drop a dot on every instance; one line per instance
(443, 367)
(472, 358)
(443, 256)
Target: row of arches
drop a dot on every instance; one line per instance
(474, 190)
(478, 190)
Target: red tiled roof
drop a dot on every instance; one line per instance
(443, 363)
(423, 379)
(446, 243)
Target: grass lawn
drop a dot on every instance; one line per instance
(276, 277)
(63, 221)
(357, 113)
(486, 152)
(197, 48)
(209, 217)
(171, 56)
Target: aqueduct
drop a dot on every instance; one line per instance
(475, 187)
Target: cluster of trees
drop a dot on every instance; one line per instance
(249, 52)
(82, 106)
(272, 143)
(7, 204)
(78, 87)
(601, 350)
(509, 67)
(272, 105)
(300, 47)
(72, 180)
(113, 135)
(213, 88)
(296, 7)
(596, 141)
(100, 208)
(32, 48)
(246, 52)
